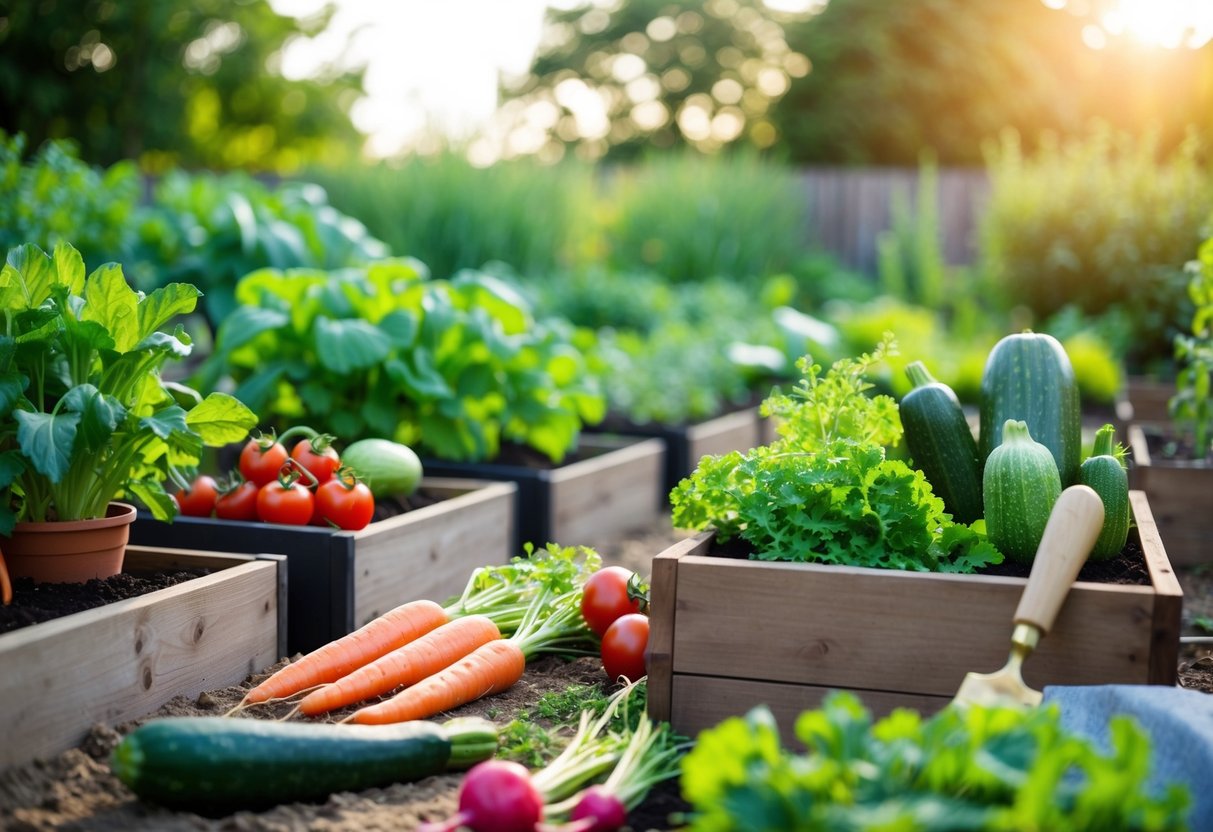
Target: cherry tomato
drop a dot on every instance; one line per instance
(199, 499)
(238, 504)
(623, 647)
(290, 505)
(320, 463)
(346, 503)
(260, 462)
(605, 598)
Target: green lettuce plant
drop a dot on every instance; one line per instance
(451, 367)
(1191, 406)
(962, 769)
(84, 414)
(827, 491)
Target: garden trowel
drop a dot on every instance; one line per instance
(1073, 526)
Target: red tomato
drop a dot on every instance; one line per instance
(238, 504)
(199, 499)
(346, 504)
(606, 598)
(623, 647)
(259, 462)
(320, 464)
(290, 505)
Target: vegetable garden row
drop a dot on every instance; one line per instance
(401, 482)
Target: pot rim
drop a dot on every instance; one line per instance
(116, 514)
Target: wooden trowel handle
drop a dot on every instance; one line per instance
(1073, 527)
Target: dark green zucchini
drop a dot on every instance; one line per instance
(1103, 472)
(1021, 484)
(1028, 378)
(941, 443)
(216, 764)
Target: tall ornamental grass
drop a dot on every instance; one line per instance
(1105, 223)
(453, 215)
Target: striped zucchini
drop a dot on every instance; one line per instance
(1103, 472)
(1020, 485)
(1028, 378)
(218, 764)
(941, 443)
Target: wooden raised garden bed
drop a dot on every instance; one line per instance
(126, 659)
(340, 580)
(614, 486)
(1181, 495)
(1146, 400)
(685, 445)
(729, 634)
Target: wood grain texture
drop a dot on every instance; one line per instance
(1147, 399)
(126, 659)
(702, 701)
(430, 552)
(738, 431)
(597, 500)
(1168, 603)
(663, 601)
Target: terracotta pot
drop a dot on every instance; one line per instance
(73, 551)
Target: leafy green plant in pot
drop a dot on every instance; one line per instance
(85, 417)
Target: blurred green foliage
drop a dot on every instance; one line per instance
(454, 215)
(212, 230)
(51, 197)
(1105, 224)
(169, 82)
(1192, 405)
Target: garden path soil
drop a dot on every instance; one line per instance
(75, 791)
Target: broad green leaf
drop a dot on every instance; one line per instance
(11, 467)
(47, 440)
(69, 266)
(111, 302)
(177, 343)
(152, 494)
(498, 298)
(257, 390)
(246, 323)
(85, 337)
(12, 386)
(8, 518)
(346, 345)
(221, 419)
(245, 218)
(421, 380)
(100, 415)
(166, 421)
(27, 278)
(165, 303)
(401, 326)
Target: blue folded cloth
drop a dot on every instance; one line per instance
(1180, 724)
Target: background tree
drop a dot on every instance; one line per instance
(848, 81)
(194, 83)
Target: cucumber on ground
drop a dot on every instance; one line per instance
(1020, 485)
(212, 764)
(1103, 472)
(1028, 377)
(941, 443)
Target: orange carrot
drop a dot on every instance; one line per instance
(488, 669)
(405, 665)
(348, 653)
(6, 586)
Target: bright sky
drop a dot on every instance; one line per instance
(435, 63)
(429, 62)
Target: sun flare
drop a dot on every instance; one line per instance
(1170, 24)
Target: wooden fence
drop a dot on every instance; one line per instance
(850, 207)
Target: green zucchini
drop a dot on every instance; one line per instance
(941, 443)
(1028, 377)
(1020, 485)
(213, 764)
(1103, 472)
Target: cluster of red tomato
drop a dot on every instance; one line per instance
(611, 605)
(306, 486)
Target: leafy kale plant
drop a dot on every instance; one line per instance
(961, 770)
(826, 491)
(84, 414)
(450, 367)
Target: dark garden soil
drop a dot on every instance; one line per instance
(386, 507)
(35, 603)
(1172, 448)
(75, 791)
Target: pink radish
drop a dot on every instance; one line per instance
(496, 796)
(598, 810)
